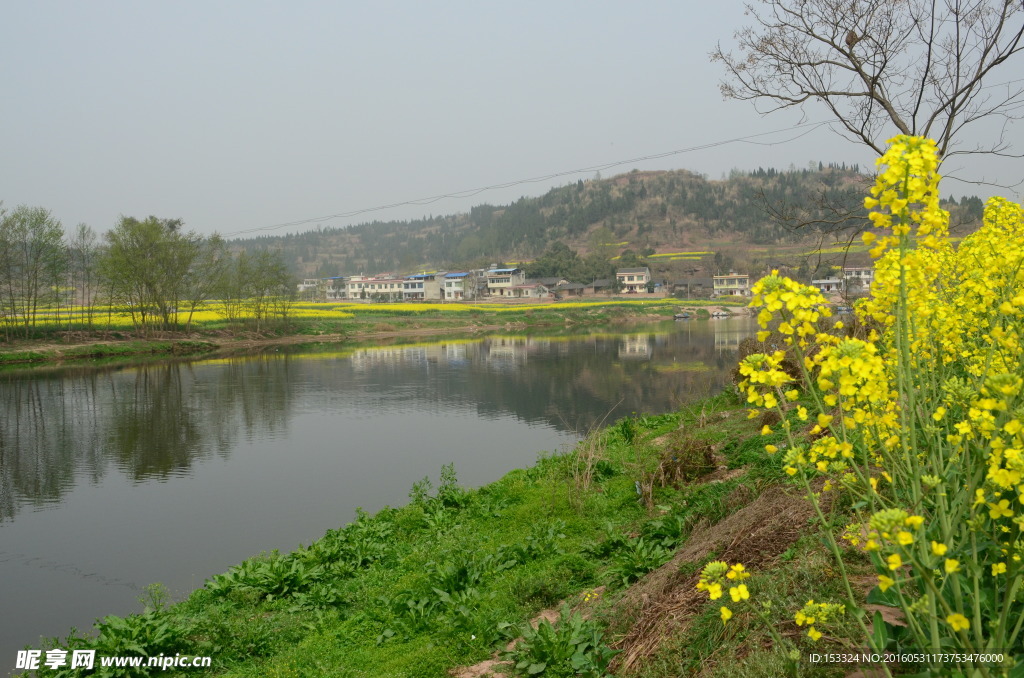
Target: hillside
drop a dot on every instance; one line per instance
(747, 219)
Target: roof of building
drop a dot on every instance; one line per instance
(693, 282)
(456, 275)
(502, 270)
(633, 270)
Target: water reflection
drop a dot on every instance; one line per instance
(156, 421)
(149, 423)
(203, 464)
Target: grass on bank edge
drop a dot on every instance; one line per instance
(420, 590)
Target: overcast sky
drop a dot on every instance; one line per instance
(241, 115)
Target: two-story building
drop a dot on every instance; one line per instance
(458, 286)
(858, 278)
(383, 287)
(500, 281)
(633, 280)
(423, 287)
(733, 284)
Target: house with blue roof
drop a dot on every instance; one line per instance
(459, 285)
(500, 281)
(423, 287)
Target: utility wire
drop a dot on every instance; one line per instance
(806, 128)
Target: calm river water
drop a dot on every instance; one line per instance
(114, 478)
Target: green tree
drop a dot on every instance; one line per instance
(148, 266)
(32, 265)
(210, 266)
(83, 251)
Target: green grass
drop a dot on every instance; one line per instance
(444, 580)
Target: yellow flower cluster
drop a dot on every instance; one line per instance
(718, 574)
(817, 613)
(800, 307)
(919, 419)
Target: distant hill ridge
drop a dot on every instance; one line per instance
(640, 212)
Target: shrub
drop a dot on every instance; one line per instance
(574, 646)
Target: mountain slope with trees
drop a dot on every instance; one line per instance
(636, 213)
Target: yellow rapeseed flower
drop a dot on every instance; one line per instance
(958, 622)
(739, 593)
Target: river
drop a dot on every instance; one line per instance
(115, 477)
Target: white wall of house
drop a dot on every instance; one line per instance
(633, 279)
(500, 281)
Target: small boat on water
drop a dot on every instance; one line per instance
(681, 316)
(721, 314)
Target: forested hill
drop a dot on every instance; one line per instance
(638, 211)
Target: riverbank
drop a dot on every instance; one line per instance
(611, 536)
(376, 322)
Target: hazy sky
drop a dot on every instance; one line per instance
(240, 115)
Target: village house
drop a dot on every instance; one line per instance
(528, 290)
(458, 286)
(568, 289)
(830, 284)
(501, 280)
(733, 284)
(858, 278)
(633, 280)
(310, 288)
(694, 288)
(423, 287)
(322, 289)
(381, 287)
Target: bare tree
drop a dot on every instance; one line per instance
(882, 67)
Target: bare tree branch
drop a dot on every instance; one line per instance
(882, 67)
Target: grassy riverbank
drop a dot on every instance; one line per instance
(326, 322)
(447, 581)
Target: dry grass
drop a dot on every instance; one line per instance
(661, 604)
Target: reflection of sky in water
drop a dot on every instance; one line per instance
(113, 479)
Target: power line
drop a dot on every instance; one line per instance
(806, 128)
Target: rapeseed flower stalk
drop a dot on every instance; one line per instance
(922, 422)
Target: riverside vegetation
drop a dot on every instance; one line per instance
(211, 330)
(870, 500)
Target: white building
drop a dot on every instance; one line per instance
(458, 286)
(859, 278)
(830, 284)
(633, 280)
(501, 280)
